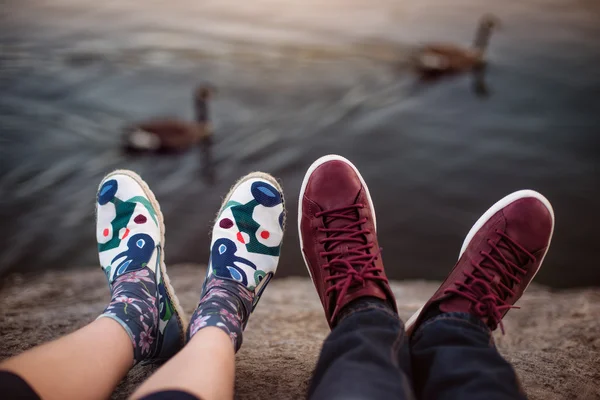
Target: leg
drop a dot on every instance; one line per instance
(90, 362)
(245, 249)
(189, 371)
(453, 352)
(482, 373)
(366, 354)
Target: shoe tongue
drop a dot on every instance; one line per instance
(344, 246)
(492, 269)
(341, 222)
(333, 223)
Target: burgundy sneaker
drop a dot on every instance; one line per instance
(498, 260)
(336, 220)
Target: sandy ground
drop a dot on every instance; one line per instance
(553, 341)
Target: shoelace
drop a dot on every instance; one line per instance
(356, 265)
(492, 281)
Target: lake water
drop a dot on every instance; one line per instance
(297, 80)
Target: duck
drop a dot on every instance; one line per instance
(172, 134)
(445, 58)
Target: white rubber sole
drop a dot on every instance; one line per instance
(499, 205)
(311, 169)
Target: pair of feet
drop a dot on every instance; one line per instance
(336, 219)
(338, 235)
(245, 247)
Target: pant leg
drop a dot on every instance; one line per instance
(170, 395)
(365, 357)
(454, 357)
(12, 386)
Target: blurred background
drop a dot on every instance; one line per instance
(297, 79)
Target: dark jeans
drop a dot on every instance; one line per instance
(451, 356)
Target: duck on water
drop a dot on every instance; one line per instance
(172, 134)
(446, 58)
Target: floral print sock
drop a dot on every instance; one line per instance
(224, 304)
(135, 309)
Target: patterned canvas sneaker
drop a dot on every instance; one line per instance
(338, 236)
(244, 253)
(131, 235)
(498, 260)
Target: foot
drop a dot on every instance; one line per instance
(338, 237)
(498, 260)
(245, 248)
(130, 234)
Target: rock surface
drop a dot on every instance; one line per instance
(553, 341)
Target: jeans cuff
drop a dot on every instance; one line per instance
(366, 307)
(465, 318)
